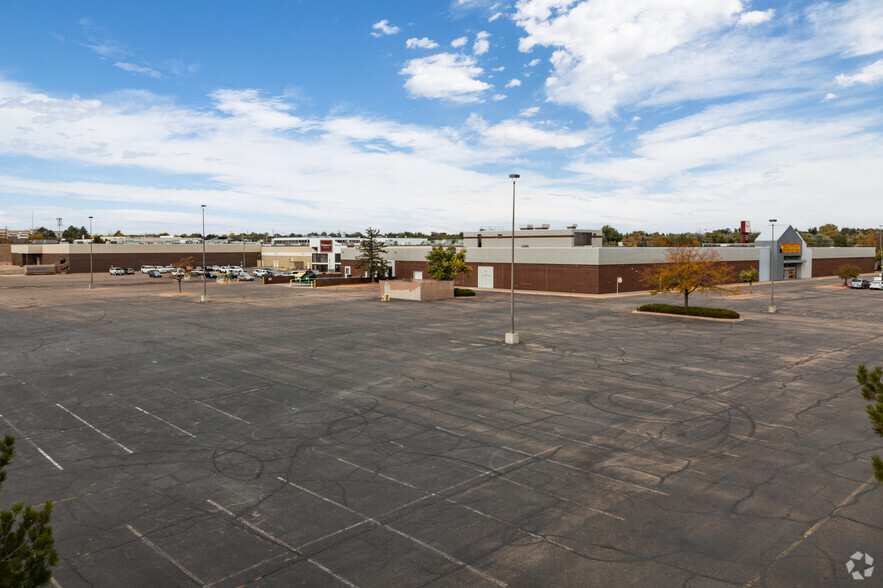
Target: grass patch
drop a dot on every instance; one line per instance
(721, 313)
(463, 292)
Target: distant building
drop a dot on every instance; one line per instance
(572, 260)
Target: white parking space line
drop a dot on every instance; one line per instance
(103, 434)
(166, 422)
(223, 413)
(54, 582)
(590, 472)
(272, 538)
(165, 555)
(423, 544)
(22, 435)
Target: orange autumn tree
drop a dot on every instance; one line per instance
(687, 270)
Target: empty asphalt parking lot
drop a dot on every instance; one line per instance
(283, 437)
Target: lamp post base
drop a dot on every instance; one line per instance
(512, 339)
(771, 309)
(91, 286)
(203, 298)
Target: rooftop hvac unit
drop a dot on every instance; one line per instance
(573, 226)
(546, 226)
(526, 227)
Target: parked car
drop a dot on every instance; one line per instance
(273, 272)
(860, 283)
(876, 284)
(117, 271)
(236, 269)
(130, 271)
(244, 277)
(260, 272)
(197, 270)
(211, 276)
(154, 273)
(146, 268)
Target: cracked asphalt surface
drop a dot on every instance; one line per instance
(284, 437)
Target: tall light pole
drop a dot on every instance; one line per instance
(512, 336)
(772, 308)
(204, 267)
(91, 242)
(880, 234)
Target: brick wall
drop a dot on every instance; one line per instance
(585, 279)
(828, 267)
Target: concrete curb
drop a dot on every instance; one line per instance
(687, 316)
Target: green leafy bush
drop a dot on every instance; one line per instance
(463, 292)
(690, 311)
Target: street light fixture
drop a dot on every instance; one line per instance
(91, 241)
(772, 308)
(512, 336)
(204, 267)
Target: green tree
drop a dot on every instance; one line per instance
(371, 255)
(73, 232)
(687, 270)
(43, 233)
(611, 235)
(750, 276)
(27, 548)
(872, 391)
(446, 262)
(847, 272)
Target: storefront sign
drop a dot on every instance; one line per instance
(326, 246)
(790, 247)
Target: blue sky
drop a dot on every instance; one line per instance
(676, 115)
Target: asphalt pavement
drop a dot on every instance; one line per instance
(280, 436)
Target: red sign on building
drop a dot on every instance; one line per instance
(326, 245)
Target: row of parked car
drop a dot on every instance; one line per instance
(118, 271)
(875, 284)
(214, 272)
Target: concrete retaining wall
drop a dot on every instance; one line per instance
(421, 290)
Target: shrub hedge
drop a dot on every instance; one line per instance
(463, 292)
(722, 313)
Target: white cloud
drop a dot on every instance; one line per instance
(756, 17)
(498, 97)
(382, 28)
(501, 68)
(608, 54)
(446, 76)
(265, 113)
(481, 45)
(133, 68)
(852, 27)
(509, 133)
(601, 45)
(534, 62)
(459, 42)
(246, 150)
(424, 43)
(830, 96)
(495, 17)
(513, 83)
(529, 112)
(869, 74)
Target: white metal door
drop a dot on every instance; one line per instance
(418, 275)
(485, 276)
